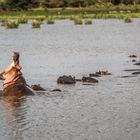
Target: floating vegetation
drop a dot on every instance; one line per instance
(11, 24)
(50, 20)
(36, 24)
(128, 19)
(88, 22)
(78, 21)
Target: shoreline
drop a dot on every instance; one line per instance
(97, 12)
(82, 16)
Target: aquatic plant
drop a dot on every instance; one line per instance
(78, 21)
(128, 19)
(11, 24)
(88, 22)
(36, 24)
(50, 20)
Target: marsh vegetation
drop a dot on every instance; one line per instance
(36, 24)
(128, 19)
(50, 20)
(11, 24)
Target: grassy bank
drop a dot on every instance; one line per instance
(101, 12)
(83, 16)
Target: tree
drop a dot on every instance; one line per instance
(116, 2)
(127, 2)
(19, 4)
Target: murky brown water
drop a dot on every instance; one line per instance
(109, 110)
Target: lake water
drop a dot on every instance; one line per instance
(109, 110)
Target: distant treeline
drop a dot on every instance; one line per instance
(27, 4)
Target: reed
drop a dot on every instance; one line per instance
(11, 24)
(22, 20)
(36, 24)
(50, 20)
(78, 21)
(128, 19)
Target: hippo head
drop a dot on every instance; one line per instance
(15, 57)
(12, 74)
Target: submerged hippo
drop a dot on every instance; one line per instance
(14, 83)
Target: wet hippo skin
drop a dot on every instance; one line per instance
(18, 90)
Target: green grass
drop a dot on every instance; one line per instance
(96, 11)
(72, 16)
(12, 19)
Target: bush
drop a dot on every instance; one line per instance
(36, 24)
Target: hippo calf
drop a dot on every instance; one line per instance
(14, 83)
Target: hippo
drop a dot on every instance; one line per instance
(66, 80)
(103, 72)
(89, 80)
(37, 87)
(133, 56)
(14, 84)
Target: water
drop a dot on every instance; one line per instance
(109, 110)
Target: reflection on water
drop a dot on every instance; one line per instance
(15, 115)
